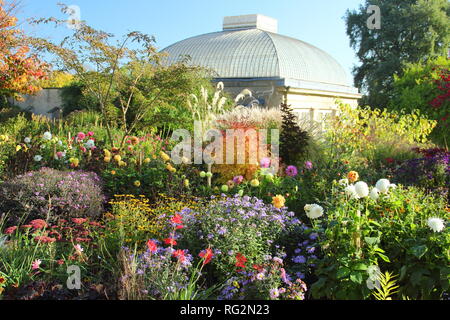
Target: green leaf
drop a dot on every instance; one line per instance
(419, 251)
(403, 272)
(356, 277)
(360, 267)
(384, 257)
(372, 240)
(342, 272)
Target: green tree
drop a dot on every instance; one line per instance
(127, 78)
(426, 87)
(411, 31)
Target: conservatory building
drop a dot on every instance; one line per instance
(250, 54)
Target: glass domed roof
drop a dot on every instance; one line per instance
(253, 52)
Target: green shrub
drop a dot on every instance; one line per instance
(425, 87)
(293, 140)
(389, 231)
(240, 230)
(365, 137)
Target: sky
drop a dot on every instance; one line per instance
(318, 22)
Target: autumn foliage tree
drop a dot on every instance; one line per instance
(20, 69)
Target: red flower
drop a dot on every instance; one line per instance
(177, 219)
(207, 255)
(79, 220)
(170, 241)
(44, 239)
(180, 227)
(179, 254)
(390, 160)
(240, 261)
(151, 245)
(38, 224)
(10, 230)
(60, 262)
(2, 280)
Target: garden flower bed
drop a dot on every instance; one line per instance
(135, 225)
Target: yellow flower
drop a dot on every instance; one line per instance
(353, 176)
(113, 172)
(18, 148)
(254, 183)
(170, 168)
(147, 160)
(107, 159)
(186, 183)
(122, 164)
(74, 162)
(117, 158)
(278, 201)
(137, 183)
(107, 153)
(164, 156)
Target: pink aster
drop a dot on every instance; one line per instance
(291, 171)
(36, 264)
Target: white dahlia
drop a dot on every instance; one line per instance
(436, 224)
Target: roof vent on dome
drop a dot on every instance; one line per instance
(250, 21)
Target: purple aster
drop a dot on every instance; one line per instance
(299, 259)
(238, 179)
(291, 171)
(308, 165)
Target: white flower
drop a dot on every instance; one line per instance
(362, 189)
(374, 194)
(79, 249)
(343, 182)
(90, 144)
(27, 140)
(383, 185)
(393, 186)
(436, 224)
(351, 191)
(38, 158)
(307, 207)
(47, 136)
(315, 211)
